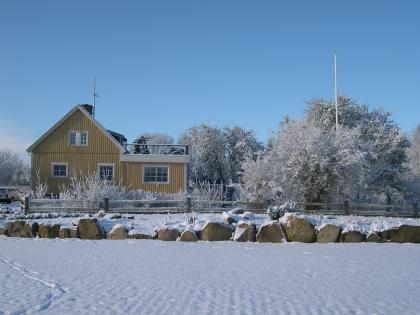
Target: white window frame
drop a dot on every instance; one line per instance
(156, 165)
(78, 139)
(113, 171)
(59, 163)
(87, 138)
(75, 140)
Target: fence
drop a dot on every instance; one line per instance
(205, 206)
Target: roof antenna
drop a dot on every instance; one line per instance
(94, 97)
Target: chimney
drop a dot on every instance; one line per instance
(88, 108)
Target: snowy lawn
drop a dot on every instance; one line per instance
(154, 277)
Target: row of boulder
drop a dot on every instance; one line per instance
(292, 228)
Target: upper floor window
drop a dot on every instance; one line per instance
(156, 174)
(59, 169)
(77, 138)
(106, 171)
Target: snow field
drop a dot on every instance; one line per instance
(154, 277)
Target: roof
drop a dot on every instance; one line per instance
(116, 134)
(89, 116)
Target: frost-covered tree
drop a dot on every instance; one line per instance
(157, 138)
(313, 164)
(207, 152)
(413, 152)
(239, 144)
(260, 183)
(217, 154)
(12, 169)
(380, 137)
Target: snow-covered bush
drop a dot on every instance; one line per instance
(276, 212)
(39, 188)
(206, 195)
(91, 187)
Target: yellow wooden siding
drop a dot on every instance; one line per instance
(133, 177)
(77, 164)
(58, 140)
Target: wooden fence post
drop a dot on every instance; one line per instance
(26, 205)
(346, 207)
(188, 204)
(415, 213)
(106, 204)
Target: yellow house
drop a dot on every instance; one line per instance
(79, 144)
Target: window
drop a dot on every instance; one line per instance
(106, 171)
(59, 170)
(84, 138)
(78, 138)
(155, 174)
(72, 138)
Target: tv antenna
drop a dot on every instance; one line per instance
(94, 96)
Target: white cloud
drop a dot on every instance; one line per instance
(15, 138)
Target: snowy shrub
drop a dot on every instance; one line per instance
(206, 195)
(39, 187)
(276, 212)
(91, 187)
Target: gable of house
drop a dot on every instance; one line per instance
(56, 139)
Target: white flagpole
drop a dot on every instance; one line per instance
(335, 91)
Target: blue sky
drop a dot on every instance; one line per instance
(166, 65)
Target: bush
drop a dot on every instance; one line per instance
(276, 212)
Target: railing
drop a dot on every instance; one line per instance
(211, 206)
(174, 149)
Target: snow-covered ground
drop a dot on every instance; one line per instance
(153, 277)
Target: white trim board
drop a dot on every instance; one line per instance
(155, 158)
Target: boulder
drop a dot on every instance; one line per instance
(329, 233)
(270, 233)
(236, 211)
(68, 232)
(188, 235)
(352, 237)
(374, 238)
(245, 232)
(21, 229)
(118, 232)
(405, 234)
(89, 229)
(216, 231)
(167, 234)
(113, 216)
(248, 215)
(141, 234)
(48, 230)
(101, 214)
(385, 235)
(230, 218)
(2, 230)
(299, 230)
